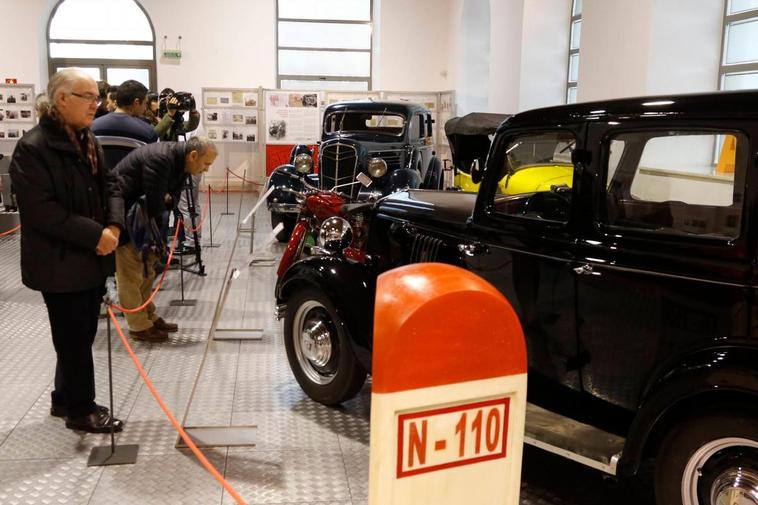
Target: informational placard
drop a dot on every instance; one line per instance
(231, 115)
(16, 110)
(292, 117)
(341, 96)
(446, 112)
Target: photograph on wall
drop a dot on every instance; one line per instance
(2, 114)
(211, 117)
(11, 114)
(237, 98)
(25, 113)
(292, 117)
(2, 133)
(238, 118)
(12, 133)
(250, 135)
(23, 96)
(224, 134)
(212, 133)
(11, 98)
(250, 99)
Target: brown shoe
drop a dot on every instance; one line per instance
(164, 326)
(151, 334)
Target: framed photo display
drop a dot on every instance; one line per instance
(17, 114)
(230, 115)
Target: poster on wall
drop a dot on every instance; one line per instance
(428, 100)
(446, 112)
(16, 110)
(340, 96)
(230, 115)
(292, 117)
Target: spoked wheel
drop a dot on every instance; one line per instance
(712, 460)
(318, 350)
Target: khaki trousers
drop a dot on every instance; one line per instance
(134, 287)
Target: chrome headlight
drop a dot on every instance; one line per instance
(303, 163)
(335, 234)
(377, 167)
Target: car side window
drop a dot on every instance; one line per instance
(415, 128)
(537, 176)
(677, 182)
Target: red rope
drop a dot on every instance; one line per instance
(243, 179)
(203, 215)
(178, 427)
(163, 276)
(12, 230)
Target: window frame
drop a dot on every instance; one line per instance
(602, 218)
(734, 68)
(572, 52)
(325, 78)
(101, 63)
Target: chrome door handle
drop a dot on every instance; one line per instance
(583, 270)
(472, 249)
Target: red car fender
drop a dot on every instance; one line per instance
(293, 246)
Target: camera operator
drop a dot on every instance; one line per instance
(171, 109)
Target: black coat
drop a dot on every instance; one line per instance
(153, 170)
(62, 210)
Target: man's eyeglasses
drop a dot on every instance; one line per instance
(87, 96)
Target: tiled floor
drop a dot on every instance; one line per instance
(306, 453)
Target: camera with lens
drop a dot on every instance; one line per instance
(184, 101)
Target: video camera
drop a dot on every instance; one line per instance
(185, 101)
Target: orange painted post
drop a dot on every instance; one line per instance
(449, 390)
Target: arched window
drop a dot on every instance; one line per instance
(113, 40)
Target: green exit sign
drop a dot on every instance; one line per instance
(175, 54)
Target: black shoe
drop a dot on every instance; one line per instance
(60, 410)
(152, 334)
(96, 422)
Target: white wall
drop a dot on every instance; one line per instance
(22, 40)
(649, 47)
(685, 46)
(413, 46)
(506, 28)
(544, 53)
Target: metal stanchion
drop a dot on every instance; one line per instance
(210, 219)
(227, 213)
(182, 302)
(106, 455)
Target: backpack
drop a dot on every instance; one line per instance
(144, 231)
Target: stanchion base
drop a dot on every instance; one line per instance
(206, 246)
(243, 230)
(221, 436)
(183, 303)
(238, 334)
(106, 455)
(227, 213)
(262, 261)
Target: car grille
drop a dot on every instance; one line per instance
(338, 165)
(392, 158)
(425, 249)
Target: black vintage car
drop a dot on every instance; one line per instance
(635, 284)
(389, 141)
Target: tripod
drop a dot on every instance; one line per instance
(191, 210)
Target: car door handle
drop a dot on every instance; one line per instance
(472, 248)
(583, 270)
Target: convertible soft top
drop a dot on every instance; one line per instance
(469, 139)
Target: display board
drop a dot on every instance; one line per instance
(340, 96)
(428, 100)
(231, 114)
(17, 114)
(292, 117)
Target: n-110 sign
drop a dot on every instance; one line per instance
(442, 438)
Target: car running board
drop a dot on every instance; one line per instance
(573, 440)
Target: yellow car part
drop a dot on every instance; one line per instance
(536, 178)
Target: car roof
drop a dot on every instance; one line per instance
(701, 105)
(402, 107)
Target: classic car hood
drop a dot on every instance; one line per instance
(448, 208)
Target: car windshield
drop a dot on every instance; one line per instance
(386, 123)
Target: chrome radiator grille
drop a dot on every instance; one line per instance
(339, 163)
(425, 249)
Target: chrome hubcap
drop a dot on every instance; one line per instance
(313, 337)
(735, 485)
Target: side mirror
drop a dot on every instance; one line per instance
(476, 171)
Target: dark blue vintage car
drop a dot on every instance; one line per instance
(391, 142)
(636, 285)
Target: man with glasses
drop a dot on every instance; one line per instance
(67, 229)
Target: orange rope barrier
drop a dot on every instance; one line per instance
(243, 179)
(163, 275)
(203, 215)
(12, 230)
(178, 427)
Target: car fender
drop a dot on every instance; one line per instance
(403, 178)
(351, 286)
(282, 177)
(698, 380)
